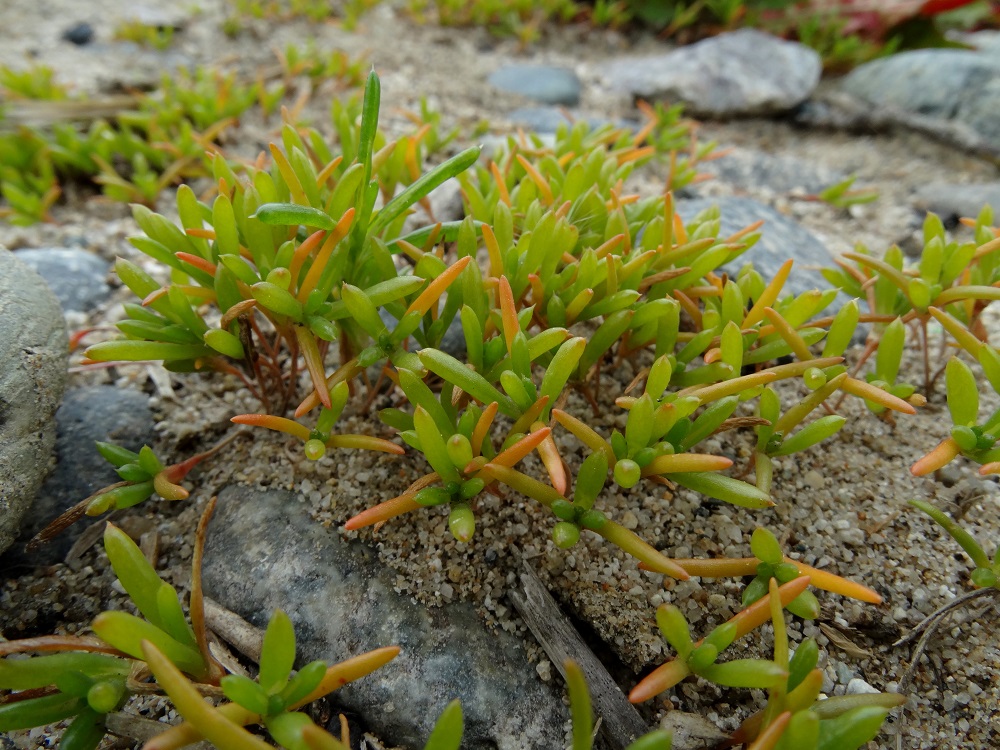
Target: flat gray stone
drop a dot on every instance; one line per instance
(33, 355)
(77, 278)
(264, 552)
(781, 239)
(745, 72)
(89, 414)
(952, 201)
(954, 85)
(543, 83)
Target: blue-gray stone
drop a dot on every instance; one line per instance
(76, 276)
(89, 414)
(33, 355)
(745, 72)
(543, 83)
(550, 119)
(781, 239)
(955, 85)
(264, 552)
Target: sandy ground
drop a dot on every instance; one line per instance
(840, 507)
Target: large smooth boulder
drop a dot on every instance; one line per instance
(961, 86)
(33, 354)
(745, 72)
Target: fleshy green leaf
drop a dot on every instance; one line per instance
(277, 654)
(447, 732)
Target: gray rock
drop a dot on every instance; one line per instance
(89, 414)
(746, 72)
(33, 355)
(543, 83)
(781, 239)
(264, 552)
(453, 341)
(550, 119)
(747, 168)
(75, 276)
(956, 85)
(951, 201)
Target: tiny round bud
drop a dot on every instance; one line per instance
(315, 449)
(565, 534)
(805, 605)
(104, 696)
(627, 473)
(814, 378)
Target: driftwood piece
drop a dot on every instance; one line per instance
(620, 722)
(234, 630)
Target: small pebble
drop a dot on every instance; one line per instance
(80, 34)
(857, 686)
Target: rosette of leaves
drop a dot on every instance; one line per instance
(959, 279)
(777, 326)
(143, 474)
(283, 247)
(770, 563)
(509, 359)
(969, 438)
(658, 435)
(78, 684)
(458, 448)
(701, 657)
(89, 678)
(271, 697)
(795, 717)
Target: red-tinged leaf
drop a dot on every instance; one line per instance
(365, 442)
(662, 678)
(391, 508)
(941, 455)
(271, 422)
(437, 287)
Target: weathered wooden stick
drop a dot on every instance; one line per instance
(234, 630)
(621, 723)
